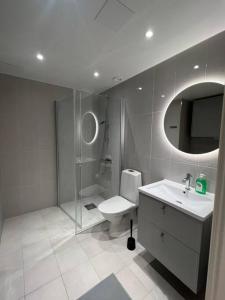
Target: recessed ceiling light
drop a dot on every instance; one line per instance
(163, 96)
(96, 74)
(149, 34)
(196, 67)
(40, 56)
(140, 88)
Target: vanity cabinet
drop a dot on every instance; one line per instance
(179, 241)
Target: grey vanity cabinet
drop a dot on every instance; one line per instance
(180, 242)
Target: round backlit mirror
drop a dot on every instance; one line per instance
(192, 120)
(89, 127)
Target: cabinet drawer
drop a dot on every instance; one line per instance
(183, 227)
(179, 259)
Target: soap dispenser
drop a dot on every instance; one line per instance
(201, 184)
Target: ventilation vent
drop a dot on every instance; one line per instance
(114, 15)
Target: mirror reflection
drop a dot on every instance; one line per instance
(192, 120)
(89, 127)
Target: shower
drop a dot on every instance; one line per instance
(88, 155)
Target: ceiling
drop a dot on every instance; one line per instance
(78, 37)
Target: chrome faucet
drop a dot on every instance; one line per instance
(187, 181)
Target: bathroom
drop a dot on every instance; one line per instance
(89, 125)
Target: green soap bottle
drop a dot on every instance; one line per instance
(201, 184)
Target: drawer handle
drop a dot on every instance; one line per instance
(162, 234)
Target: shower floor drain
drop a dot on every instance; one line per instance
(90, 206)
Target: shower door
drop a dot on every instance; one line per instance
(88, 147)
(67, 195)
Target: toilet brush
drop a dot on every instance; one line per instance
(131, 245)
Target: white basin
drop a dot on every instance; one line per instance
(174, 194)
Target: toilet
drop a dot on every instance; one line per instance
(116, 207)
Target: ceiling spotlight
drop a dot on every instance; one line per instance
(163, 96)
(140, 88)
(96, 74)
(196, 67)
(40, 56)
(149, 34)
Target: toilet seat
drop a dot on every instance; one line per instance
(116, 205)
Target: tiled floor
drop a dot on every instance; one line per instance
(89, 217)
(41, 259)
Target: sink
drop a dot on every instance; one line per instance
(174, 194)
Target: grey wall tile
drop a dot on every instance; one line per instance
(47, 161)
(11, 196)
(211, 163)
(164, 84)
(159, 147)
(48, 193)
(137, 141)
(30, 199)
(29, 167)
(159, 169)
(168, 78)
(140, 101)
(27, 144)
(215, 58)
(186, 75)
(146, 178)
(179, 170)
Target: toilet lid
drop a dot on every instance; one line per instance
(115, 205)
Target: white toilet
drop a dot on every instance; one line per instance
(116, 207)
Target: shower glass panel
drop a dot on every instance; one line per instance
(89, 147)
(98, 162)
(67, 196)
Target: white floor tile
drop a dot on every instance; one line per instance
(32, 220)
(31, 236)
(54, 290)
(120, 248)
(60, 243)
(37, 248)
(11, 284)
(79, 280)
(70, 257)
(107, 263)
(10, 245)
(41, 273)
(11, 261)
(131, 284)
(93, 247)
(54, 215)
(36, 252)
(144, 272)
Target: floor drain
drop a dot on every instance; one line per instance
(90, 206)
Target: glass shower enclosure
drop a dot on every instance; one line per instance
(88, 129)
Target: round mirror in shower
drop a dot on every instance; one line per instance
(192, 120)
(89, 127)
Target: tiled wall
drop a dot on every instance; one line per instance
(27, 144)
(146, 148)
(106, 145)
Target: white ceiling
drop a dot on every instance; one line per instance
(78, 37)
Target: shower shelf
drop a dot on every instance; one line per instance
(85, 160)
